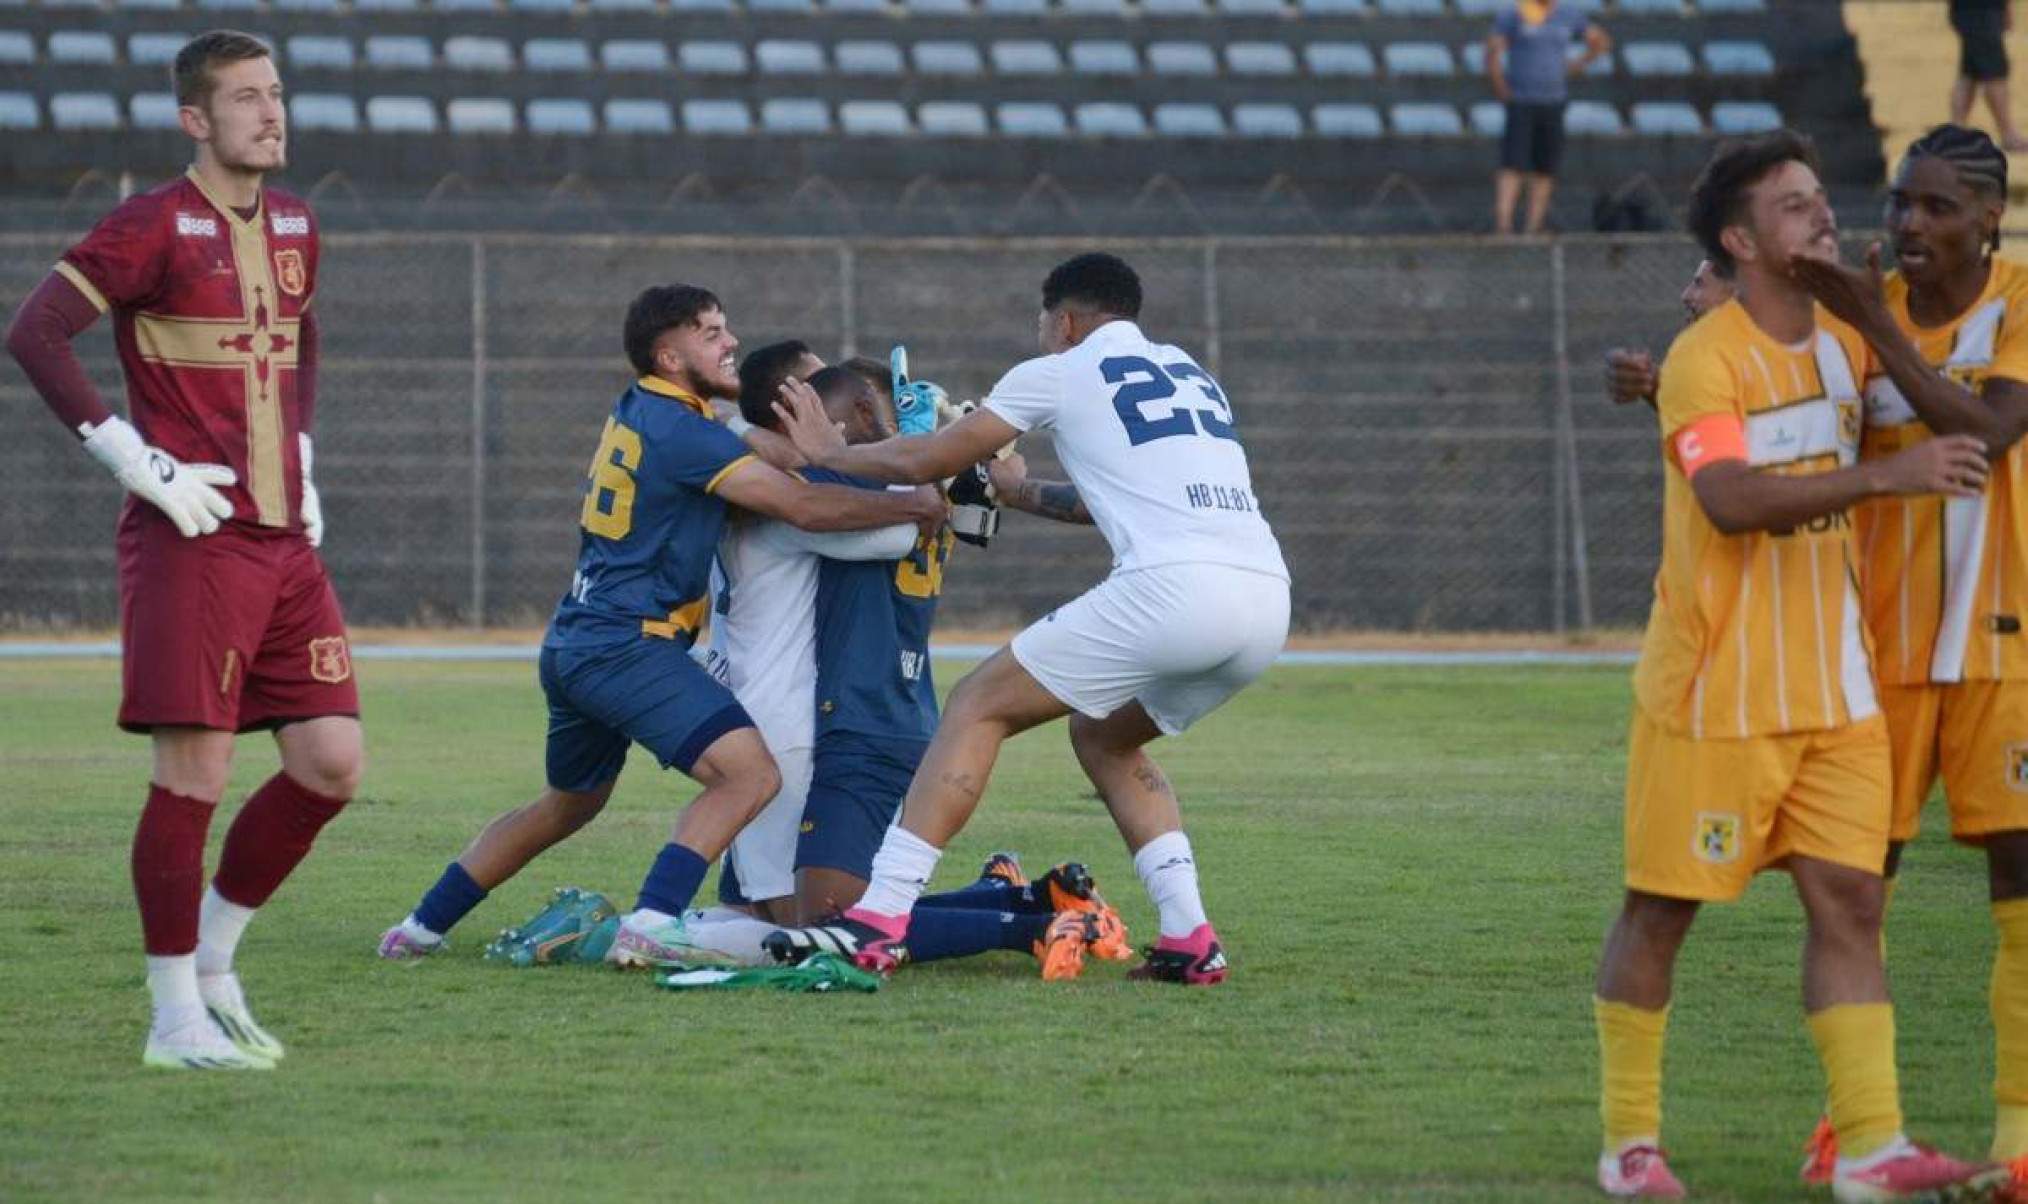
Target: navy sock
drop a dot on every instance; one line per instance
(935, 933)
(673, 880)
(449, 900)
(987, 894)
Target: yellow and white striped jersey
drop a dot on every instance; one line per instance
(1946, 579)
(1759, 633)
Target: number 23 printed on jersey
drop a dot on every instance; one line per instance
(1143, 383)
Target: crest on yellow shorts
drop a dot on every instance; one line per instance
(330, 660)
(2017, 767)
(1717, 838)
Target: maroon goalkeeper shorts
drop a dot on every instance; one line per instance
(237, 631)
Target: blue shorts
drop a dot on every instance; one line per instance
(855, 792)
(645, 691)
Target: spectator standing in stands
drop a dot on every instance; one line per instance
(1529, 65)
(1982, 27)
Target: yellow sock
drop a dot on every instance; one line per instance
(2010, 1030)
(1855, 1042)
(1630, 1070)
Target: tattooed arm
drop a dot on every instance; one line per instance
(1049, 499)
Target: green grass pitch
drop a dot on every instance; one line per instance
(1411, 868)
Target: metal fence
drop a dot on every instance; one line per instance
(1424, 417)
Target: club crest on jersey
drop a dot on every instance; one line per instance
(1716, 838)
(1848, 422)
(330, 659)
(2017, 768)
(190, 225)
(290, 273)
(1970, 377)
(284, 225)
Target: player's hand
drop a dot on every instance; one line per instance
(928, 510)
(1629, 375)
(1007, 472)
(1854, 295)
(1953, 465)
(805, 422)
(313, 506)
(187, 493)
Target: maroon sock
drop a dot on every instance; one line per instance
(270, 837)
(168, 863)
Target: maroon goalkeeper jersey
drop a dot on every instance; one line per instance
(207, 309)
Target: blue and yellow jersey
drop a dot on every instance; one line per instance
(873, 632)
(650, 521)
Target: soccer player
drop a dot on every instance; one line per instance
(228, 622)
(615, 662)
(1757, 740)
(1630, 372)
(1196, 606)
(1946, 580)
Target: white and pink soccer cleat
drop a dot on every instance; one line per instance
(1639, 1171)
(1904, 1170)
(409, 941)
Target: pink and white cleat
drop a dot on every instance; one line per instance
(1639, 1171)
(409, 941)
(1197, 960)
(1903, 1170)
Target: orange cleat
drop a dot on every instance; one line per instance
(1108, 935)
(1820, 1154)
(1061, 949)
(1006, 867)
(2015, 1189)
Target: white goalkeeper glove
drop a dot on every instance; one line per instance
(313, 506)
(184, 492)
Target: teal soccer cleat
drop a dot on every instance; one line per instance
(554, 935)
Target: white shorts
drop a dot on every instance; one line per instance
(1180, 639)
(764, 853)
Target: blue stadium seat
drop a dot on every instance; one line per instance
(18, 111)
(1341, 120)
(399, 53)
(1111, 119)
(701, 6)
(1260, 58)
(1253, 8)
(157, 5)
(1472, 58)
(540, 6)
(321, 50)
(1592, 117)
(1732, 6)
(634, 54)
(947, 58)
(795, 115)
(939, 8)
(874, 119)
(324, 111)
(1488, 118)
(781, 56)
(1030, 119)
(1412, 8)
(567, 116)
(468, 6)
(479, 115)
(1668, 117)
(1025, 57)
(1016, 8)
(1173, 8)
(952, 119)
(152, 110)
(639, 117)
(780, 6)
(1651, 8)
(1189, 120)
(306, 6)
(401, 115)
(17, 49)
(556, 54)
(1182, 58)
(1744, 117)
(711, 58)
(855, 6)
(154, 49)
(867, 58)
(385, 5)
(1481, 8)
(1266, 119)
(1418, 58)
(1658, 58)
(1333, 8)
(84, 111)
(1339, 59)
(1425, 119)
(228, 4)
(77, 46)
(1104, 58)
(1094, 8)
(717, 117)
(1738, 58)
(601, 6)
(1600, 66)
(467, 53)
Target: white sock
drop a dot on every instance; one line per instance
(645, 915)
(419, 933)
(220, 923)
(733, 933)
(172, 981)
(1169, 872)
(901, 871)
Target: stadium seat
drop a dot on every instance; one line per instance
(1488, 118)
(795, 115)
(1472, 58)
(701, 6)
(540, 6)
(1094, 8)
(324, 111)
(76, 46)
(564, 116)
(1333, 8)
(717, 117)
(17, 49)
(780, 6)
(952, 119)
(158, 5)
(634, 54)
(1266, 119)
(403, 53)
(1111, 119)
(1480, 8)
(604, 6)
(1658, 58)
(1173, 8)
(1025, 57)
(1411, 8)
(1732, 6)
(1418, 58)
(1340, 120)
(467, 53)
(320, 50)
(1253, 8)
(1339, 59)
(84, 111)
(1738, 58)
(1182, 58)
(1744, 117)
(228, 4)
(711, 58)
(1016, 8)
(939, 8)
(639, 117)
(154, 49)
(874, 118)
(855, 6)
(152, 110)
(947, 58)
(1668, 117)
(1592, 117)
(385, 5)
(479, 115)
(1189, 120)
(401, 115)
(1651, 8)
(306, 6)
(472, 6)
(1104, 58)
(1030, 119)
(18, 111)
(868, 58)
(556, 54)
(1260, 58)
(1425, 119)
(1600, 66)
(777, 56)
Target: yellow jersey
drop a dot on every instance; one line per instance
(1759, 633)
(1946, 579)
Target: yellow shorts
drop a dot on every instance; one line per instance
(1704, 816)
(1975, 736)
